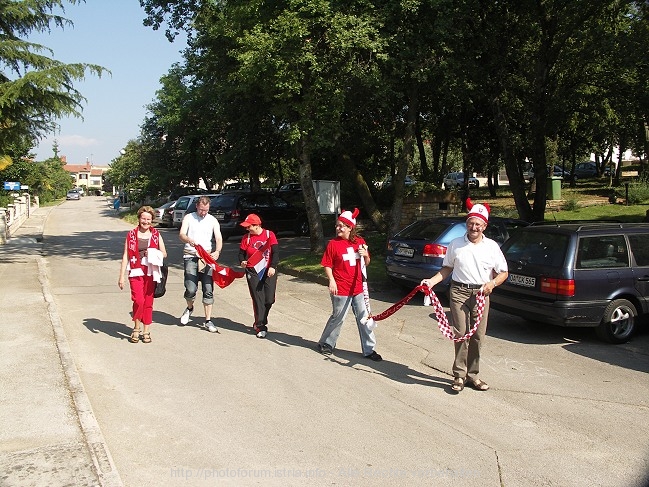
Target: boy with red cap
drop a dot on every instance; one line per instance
(476, 264)
(341, 262)
(258, 254)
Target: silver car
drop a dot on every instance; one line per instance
(164, 214)
(73, 194)
(456, 180)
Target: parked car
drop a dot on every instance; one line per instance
(80, 190)
(589, 170)
(456, 180)
(228, 188)
(73, 194)
(417, 251)
(585, 170)
(557, 171)
(164, 214)
(578, 274)
(409, 181)
(183, 204)
(192, 206)
(289, 188)
(179, 191)
(276, 214)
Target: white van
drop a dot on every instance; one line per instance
(183, 203)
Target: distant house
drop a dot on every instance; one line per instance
(86, 175)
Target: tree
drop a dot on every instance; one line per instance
(35, 89)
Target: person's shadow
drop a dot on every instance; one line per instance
(388, 369)
(110, 328)
(391, 370)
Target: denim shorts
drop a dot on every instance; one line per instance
(192, 276)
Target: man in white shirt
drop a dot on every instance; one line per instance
(476, 264)
(199, 228)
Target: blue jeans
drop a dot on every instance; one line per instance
(192, 276)
(341, 305)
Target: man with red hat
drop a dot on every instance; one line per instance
(258, 255)
(342, 264)
(476, 264)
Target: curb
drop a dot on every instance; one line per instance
(95, 442)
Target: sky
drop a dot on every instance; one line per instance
(108, 33)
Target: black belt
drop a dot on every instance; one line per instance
(466, 286)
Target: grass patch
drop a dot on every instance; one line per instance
(622, 213)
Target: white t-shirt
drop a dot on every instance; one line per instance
(474, 263)
(201, 231)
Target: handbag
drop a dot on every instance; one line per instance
(161, 286)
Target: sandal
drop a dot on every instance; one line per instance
(146, 337)
(135, 336)
(458, 384)
(479, 385)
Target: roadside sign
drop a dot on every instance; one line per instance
(12, 185)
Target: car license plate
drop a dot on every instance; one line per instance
(219, 215)
(404, 251)
(524, 281)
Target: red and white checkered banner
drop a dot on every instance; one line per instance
(442, 320)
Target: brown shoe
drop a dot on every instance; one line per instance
(135, 336)
(458, 384)
(478, 385)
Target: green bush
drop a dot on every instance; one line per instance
(638, 193)
(571, 204)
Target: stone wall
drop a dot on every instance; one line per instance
(430, 205)
(14, 215)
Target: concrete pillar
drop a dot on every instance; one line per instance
(28, 199)
(3, 226)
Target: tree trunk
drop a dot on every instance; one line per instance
(310, 201)
(364, 192)
(423, 165)
(404, 158)
(516, 181)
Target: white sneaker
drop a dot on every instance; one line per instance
(211, 327)
(184, 319)
(262, 334)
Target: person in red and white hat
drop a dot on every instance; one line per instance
(475, 263)
(259, 256)
(341, 262)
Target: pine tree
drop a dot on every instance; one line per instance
(35, 90)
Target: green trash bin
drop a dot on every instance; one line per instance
(554, 188)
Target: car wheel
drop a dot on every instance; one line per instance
(618, 322)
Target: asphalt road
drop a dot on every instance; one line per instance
(194, 408)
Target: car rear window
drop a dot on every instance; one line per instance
(224, 201)
(424, 230)
(538, 248)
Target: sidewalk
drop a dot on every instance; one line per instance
(48, 432)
